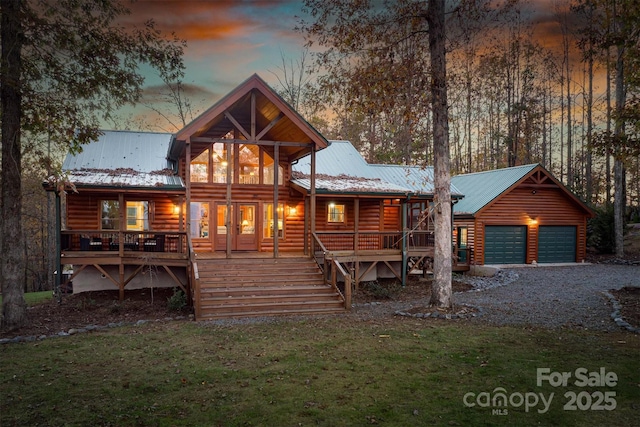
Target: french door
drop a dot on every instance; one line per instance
(243, 229)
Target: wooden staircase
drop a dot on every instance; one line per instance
(245, 287)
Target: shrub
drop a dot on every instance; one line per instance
(177, 301)
(380, 291)
(601, 231)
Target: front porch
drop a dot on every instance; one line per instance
(121, 256)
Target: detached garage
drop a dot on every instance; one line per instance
(520, 215)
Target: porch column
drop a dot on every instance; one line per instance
(122, 218)
(229, 148)
(404, 244)
(58, 265)
(306, 226)
(187, 174)
(356, 224)
(312, 208)
(276, 183)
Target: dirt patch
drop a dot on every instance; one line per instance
(416, 289)
(95, 308)
(629, 299)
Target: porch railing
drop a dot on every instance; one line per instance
(373, 240)
(126, 241)
(333, 272)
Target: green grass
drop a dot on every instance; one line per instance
(33, 298)
(327, 371)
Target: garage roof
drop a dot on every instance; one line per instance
(481, 188)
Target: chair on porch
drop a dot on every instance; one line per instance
(154, 244)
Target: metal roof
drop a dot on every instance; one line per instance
(481, 188)
(351, 185)
(418, 179)
(124, 159)
(341, 159)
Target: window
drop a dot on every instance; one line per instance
(200, 167)
(110, 216)
(462, 237)
(249, 164)
(267, 223)
(269, 173)
(335, 213)
(137, 215)
(220, 163)
(199, 219)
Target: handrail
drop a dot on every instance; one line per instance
(335, 268)
(195, 277)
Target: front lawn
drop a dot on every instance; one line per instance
(33, 298)
(320, 371)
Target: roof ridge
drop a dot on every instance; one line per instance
(531, 165)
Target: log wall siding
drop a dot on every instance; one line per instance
(470, 224)
(392, 215)
(520, 206)
(83, 210)
(369, 215)
(260, 194)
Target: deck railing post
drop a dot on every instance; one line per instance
(347, 292)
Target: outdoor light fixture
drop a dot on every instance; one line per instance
(176, 209)
(534, 220)
(292, 211)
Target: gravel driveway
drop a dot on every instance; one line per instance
(551, 297)
(548, 297)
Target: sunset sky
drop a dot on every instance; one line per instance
(229, 40)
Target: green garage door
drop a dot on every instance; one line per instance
(505, 244)
(556, 243)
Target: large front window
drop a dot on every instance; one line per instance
(137, 215)
(249, 164)
(110, 216)
(221, 163)
(267, 223)
(269, 174)
(199, 219)
(200, 167)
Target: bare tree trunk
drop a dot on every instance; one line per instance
(589, 159)
(441, 288)
(618, 167)
(608, 157)
(570, 182)
(14, 309)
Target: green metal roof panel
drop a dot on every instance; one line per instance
(481, 188)
(418, 179)
(341, 159)
(124, 159)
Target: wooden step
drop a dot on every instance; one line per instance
(242, 287)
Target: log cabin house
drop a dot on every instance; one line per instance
(237, 211)
(250, 211)
(519, 215)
